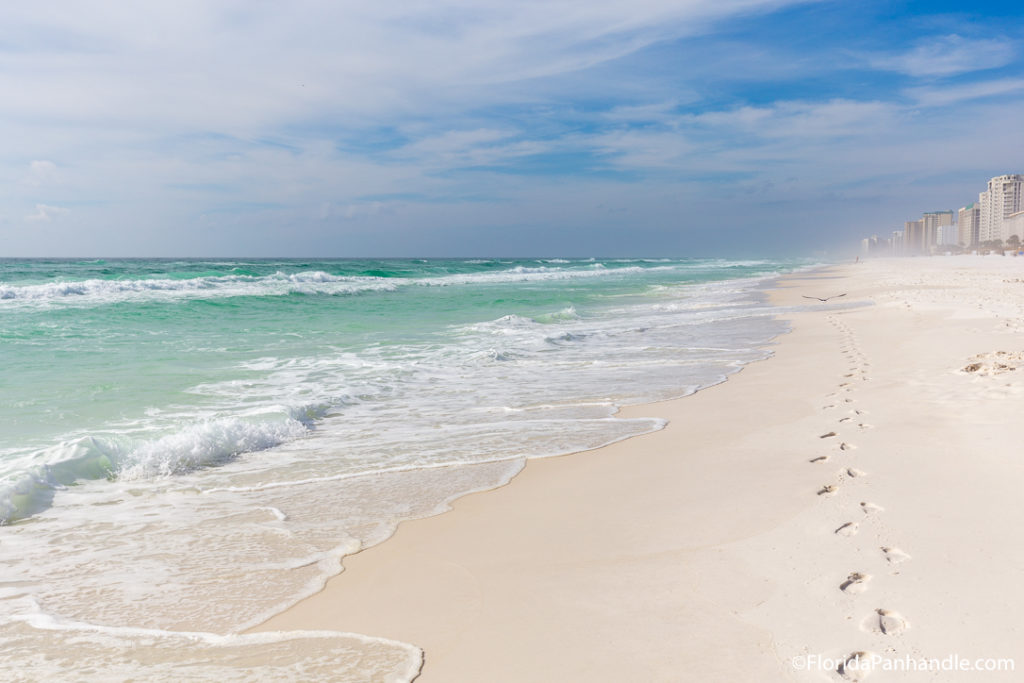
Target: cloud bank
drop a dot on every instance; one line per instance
(458, 126)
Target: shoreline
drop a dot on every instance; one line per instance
(704, 549)
(304, 615)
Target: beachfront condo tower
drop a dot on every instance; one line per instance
(998, 202)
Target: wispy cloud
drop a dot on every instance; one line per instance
(931, 96)
(384, 117)
(646, 150)
(469, 148)
(659, 112)
(949, 55)
(242, 67)
(45, 213)
(797, 121)
(41, 173)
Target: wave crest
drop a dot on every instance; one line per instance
(96, 291)
(316, 282)
(202, 444)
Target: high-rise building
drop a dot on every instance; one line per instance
(1002, 198)
(896, 243)
(934, 222)
(947, 235)
(1014, 225)
(921, 236)
(983, 209)
(913, 237)
(967, 220)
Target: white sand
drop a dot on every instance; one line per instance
(705, 552)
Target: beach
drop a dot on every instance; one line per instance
(858, 492)
(188, 447)
(478, 342)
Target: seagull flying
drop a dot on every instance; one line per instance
(826, 298)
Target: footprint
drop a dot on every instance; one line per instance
(828, 407)
(827, 436)
(854, 472)
(848, 400)
(894, 555)
(845, 419)
(855, 583)
(846, 446)
(856, 667)
(848, 529)
(864, 425)
(871, 508)
(820, 458)
(887, 622)
(827, 490)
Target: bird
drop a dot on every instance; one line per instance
(826, 298)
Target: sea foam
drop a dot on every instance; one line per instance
(215, 463)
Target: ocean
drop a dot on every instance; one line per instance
(189, 446)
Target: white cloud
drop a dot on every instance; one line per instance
(41, 173)
(660, 112)
(644, 150)
(800, 121)
(239, 67)
(45, 213)
(457, 143)
(937, 97)
(260, 112)
(469, 148)
(352, 211)
(948, 55)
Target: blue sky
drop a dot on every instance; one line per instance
(477, 127)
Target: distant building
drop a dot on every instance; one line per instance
(937, 231)
(896, 243)
(913, 237)
(968, 218)
(947, 235)
(1014, 225)
(922, 236)
(998, 202)
(997, 216)
(872, 246)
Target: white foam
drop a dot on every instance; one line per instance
(95, 291)
(203, 444)
(281, 517)
(30, 481)
(98, 291)
(341, 445)
(538, 274)
(102, 653)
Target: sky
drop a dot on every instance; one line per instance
(487, 127)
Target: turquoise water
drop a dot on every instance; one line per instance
(224, 428)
